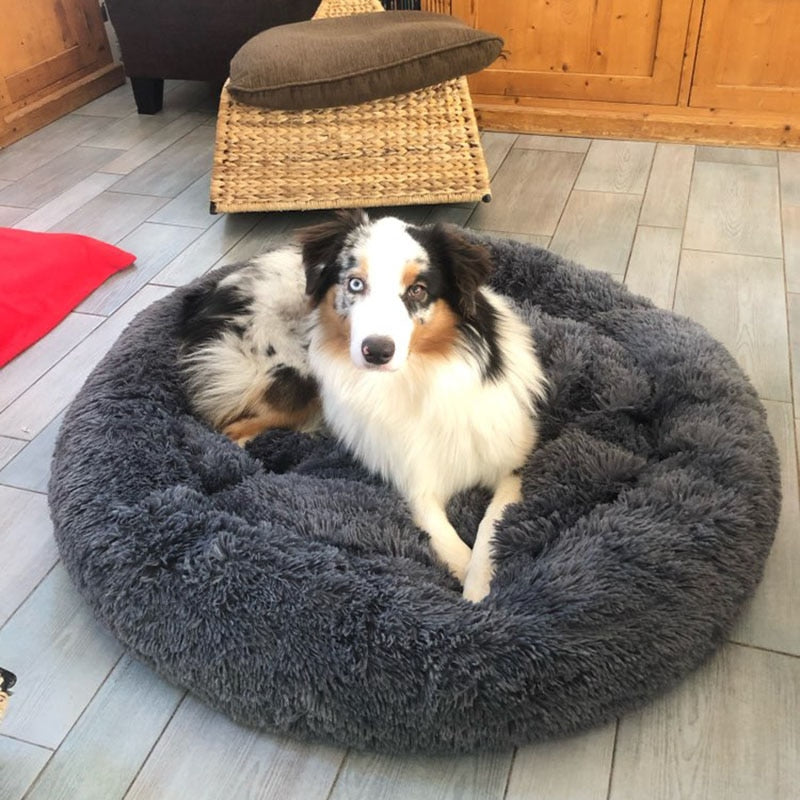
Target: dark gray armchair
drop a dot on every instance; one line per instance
(190, 39)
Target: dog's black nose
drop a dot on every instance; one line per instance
(377, 349)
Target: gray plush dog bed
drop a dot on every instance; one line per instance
(289, 588)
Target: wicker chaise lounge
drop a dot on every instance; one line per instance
(420, 146)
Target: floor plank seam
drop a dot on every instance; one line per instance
(584, 156)
(613, 760)
(26, 741)
(683, 231)
(762, 649)
(20, 488)
(510, 773)
(27, 597)
(639, 215)
(334, 783)
(150, 752)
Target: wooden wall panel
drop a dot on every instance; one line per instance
(437, 6)
(648, 71)
(54, 56)
(32, 79)
(612, 37)
(611, 50)
(747, 55)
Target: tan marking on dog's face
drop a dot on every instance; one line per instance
(335, 327)
(437, 334)
(410, 274)
(361, 270)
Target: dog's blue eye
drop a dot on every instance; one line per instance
(355, 285)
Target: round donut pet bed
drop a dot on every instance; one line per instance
(286, 586)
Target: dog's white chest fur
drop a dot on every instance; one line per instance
(435, 427)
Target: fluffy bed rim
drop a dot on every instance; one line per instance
(288, 588)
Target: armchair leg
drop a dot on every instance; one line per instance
(149, 94)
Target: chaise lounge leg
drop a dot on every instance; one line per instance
(149, 94)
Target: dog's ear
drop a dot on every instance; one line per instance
(321, 244)
(467, 266)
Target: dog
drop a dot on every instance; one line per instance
(389, 334)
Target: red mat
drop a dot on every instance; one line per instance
(43, 276)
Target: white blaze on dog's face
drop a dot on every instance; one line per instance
(379, 264)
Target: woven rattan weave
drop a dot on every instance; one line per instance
(419, 147)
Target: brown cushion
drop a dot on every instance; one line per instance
(347, 60)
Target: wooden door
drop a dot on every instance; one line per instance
(611, 50)
(748, 56)
(45, 44)
(54, 57)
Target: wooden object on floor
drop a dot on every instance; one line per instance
(54, 57)
(747, 56)
(418, 147)
(583, 51)
(421, 147)
(720, 72)
(437, 6)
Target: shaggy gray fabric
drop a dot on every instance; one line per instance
(290, 589)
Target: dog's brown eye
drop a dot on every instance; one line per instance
(418, 292)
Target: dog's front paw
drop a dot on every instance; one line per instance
(478, 580)
(451, 551)
(457, 557)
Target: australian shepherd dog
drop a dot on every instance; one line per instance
(388, 333)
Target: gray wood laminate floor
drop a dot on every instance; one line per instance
(711, 232)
